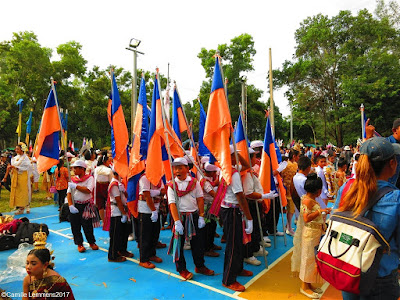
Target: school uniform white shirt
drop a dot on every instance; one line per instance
(103, 174)
(231, 191)
(115, 192)
(251, 184)
(299, 180)
(145, 186)
(78, 196)
(207, 187)
(320, 173)
(187, 203)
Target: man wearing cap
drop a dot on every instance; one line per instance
(257, 146)
(395, 139)
(233, 207)
(120, 227)
(209, 185)
(150, 197)
(188, 209)
(254, 193)
(80, 201)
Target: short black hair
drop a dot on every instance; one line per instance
(303, 163)
(292, 153)
(313, 183)
(319, 157)
(342, 161)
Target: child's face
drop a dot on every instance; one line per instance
(322, 162)
(34, 266)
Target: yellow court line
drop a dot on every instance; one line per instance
(276, 282)
(166, 272)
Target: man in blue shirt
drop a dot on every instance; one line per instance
(395, 139)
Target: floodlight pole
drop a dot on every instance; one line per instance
(133, 48)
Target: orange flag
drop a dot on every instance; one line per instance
(218, 125)
(47, 151)
(119, 133)
(269, 162)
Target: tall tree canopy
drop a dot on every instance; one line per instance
(340, 63)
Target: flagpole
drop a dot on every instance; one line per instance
(183, 149)
(226, 96)
(271, 93)
(61, 114)
(28, 134)
(189, 131)
(362, 121)
(62, 133)
(170, 160)
(66, 129)
(19, 128)
(244, 205)
(257, 208)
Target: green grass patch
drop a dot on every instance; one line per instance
(38, 199)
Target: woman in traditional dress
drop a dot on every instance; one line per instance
(309, 230)
(42, 282)
(102, 176)
(20, 169)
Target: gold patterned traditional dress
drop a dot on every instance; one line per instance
(287, 176)
(50, 288)
(20, 195)
(306, 238)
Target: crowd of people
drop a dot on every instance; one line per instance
(314, 178)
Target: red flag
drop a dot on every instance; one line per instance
(218, 125)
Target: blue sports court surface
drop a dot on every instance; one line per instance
(91, 276)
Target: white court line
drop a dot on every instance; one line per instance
(63, 229)
(250, 282)
(234, 296)
(43, 217)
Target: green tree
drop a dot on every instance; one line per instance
(339, 63)
(25, 71)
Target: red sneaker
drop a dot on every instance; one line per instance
(236, 286)
(160, 245)
(211, 253)
(186, 274)
(216, 247)
(81, 248)
(156, 259)
(147, 265)
(126, 254)
(246, 273)
(94, 246)
(118, 259)
(204, 270)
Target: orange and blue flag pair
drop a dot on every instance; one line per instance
(269, 162)
(156, 154)
(47, 151)
(218, 125)
(178, 118)
(240, 139)
(119, 133)
(139, 148)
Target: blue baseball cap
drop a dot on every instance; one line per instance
(379, 149)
